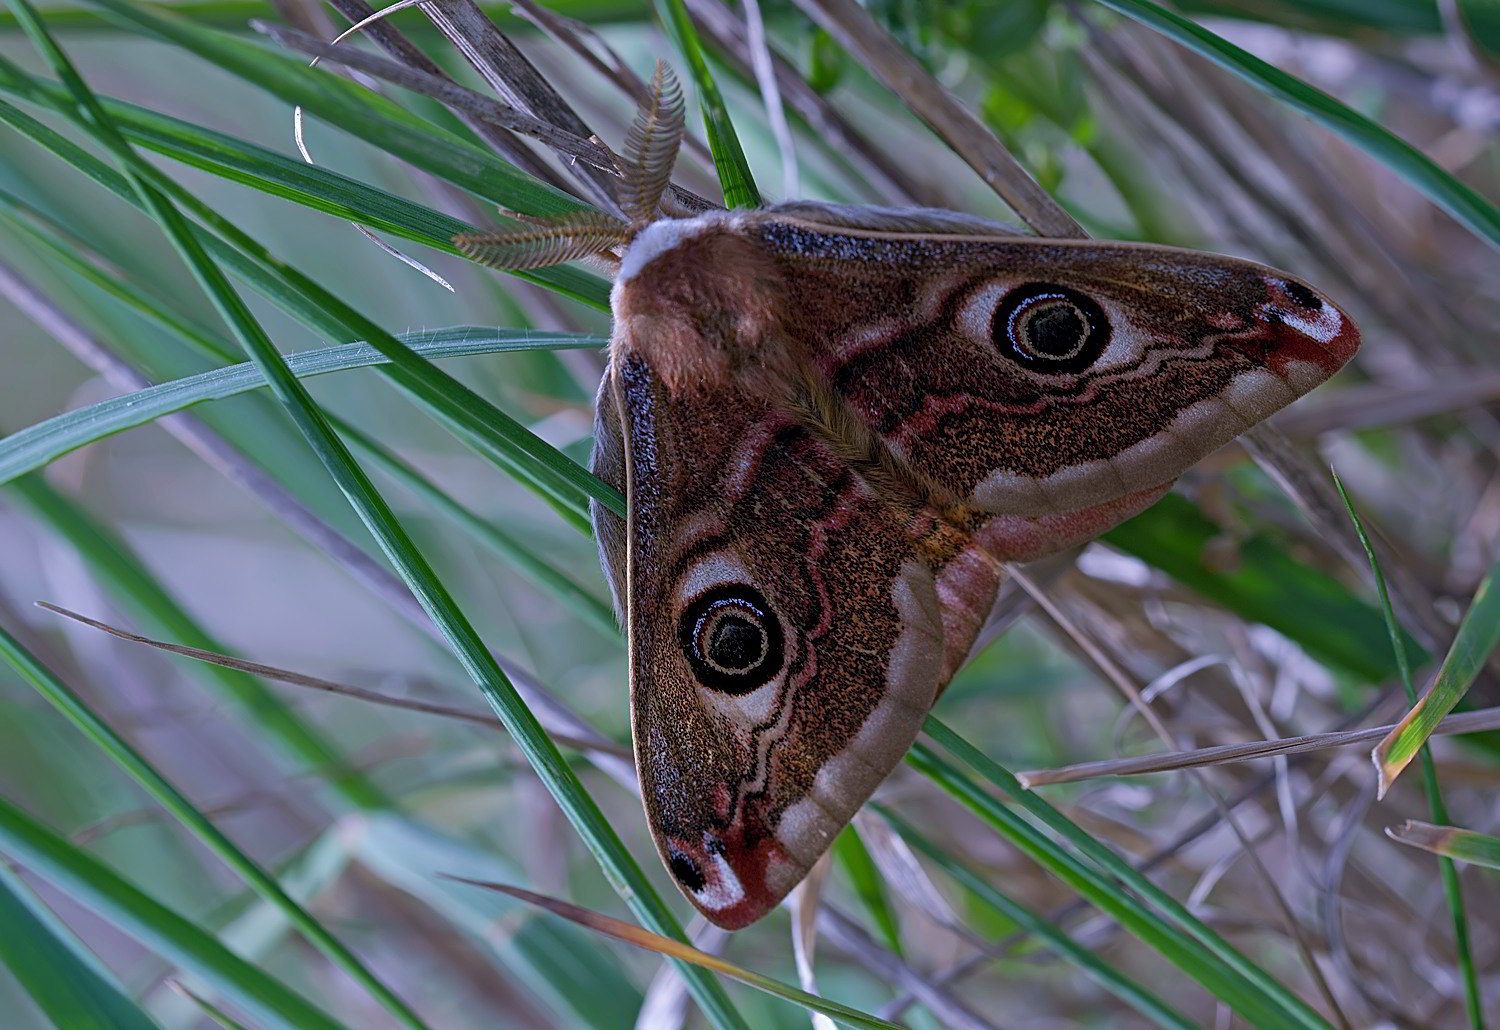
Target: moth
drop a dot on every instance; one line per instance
(834, 426)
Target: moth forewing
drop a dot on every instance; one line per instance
(1036, 377)
(810, 561)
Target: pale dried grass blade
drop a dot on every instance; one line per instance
(460, 99)
(666, 946)
(298, 679)
(1224, 754)
(904, 875)
(805, 899)
(667, 1005)
(858, 31)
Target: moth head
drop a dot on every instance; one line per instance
(701, 302)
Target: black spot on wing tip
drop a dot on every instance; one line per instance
(686, 871)
(1303, 297)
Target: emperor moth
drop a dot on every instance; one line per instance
(833, 426)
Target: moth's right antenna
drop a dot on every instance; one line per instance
(651, 147)
(645, 171)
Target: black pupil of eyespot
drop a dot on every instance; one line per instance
(1050, 328)
(731, 638)
(1303, 296)
(735, 643)
(1056, 330)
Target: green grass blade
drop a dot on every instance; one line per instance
(72, 708)
(369, 116)
(1352, 18)
(1478, 635)
(1101, 972)
(35, 446)
(1452, 889)
(212, 1011)
(1470, 209)
(92, 115)
(1450, 842)
(864, 876)
(560, 481)
(735, 177)
(156, 926)
(1206, 968)
(579, 600)
(311, 186)
(1250, 983)
(552, 958)
(64, 979)
(1394, 631)
(621, 870)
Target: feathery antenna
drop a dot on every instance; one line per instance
(651, 147)
(538, 244)
(646, 171)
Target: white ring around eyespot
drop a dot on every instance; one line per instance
(1020, 320)
(704, 632)
(711, 570)
(976, 316)
(975, 319)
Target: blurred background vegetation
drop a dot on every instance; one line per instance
(1242, 606)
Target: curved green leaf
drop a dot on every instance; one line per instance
(35, 446)
(156, 926)
(1479, 215)
(63, 977)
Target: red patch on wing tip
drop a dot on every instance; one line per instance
(727, 881)
(738, 916)
(1342, 347)
(1295, 323)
